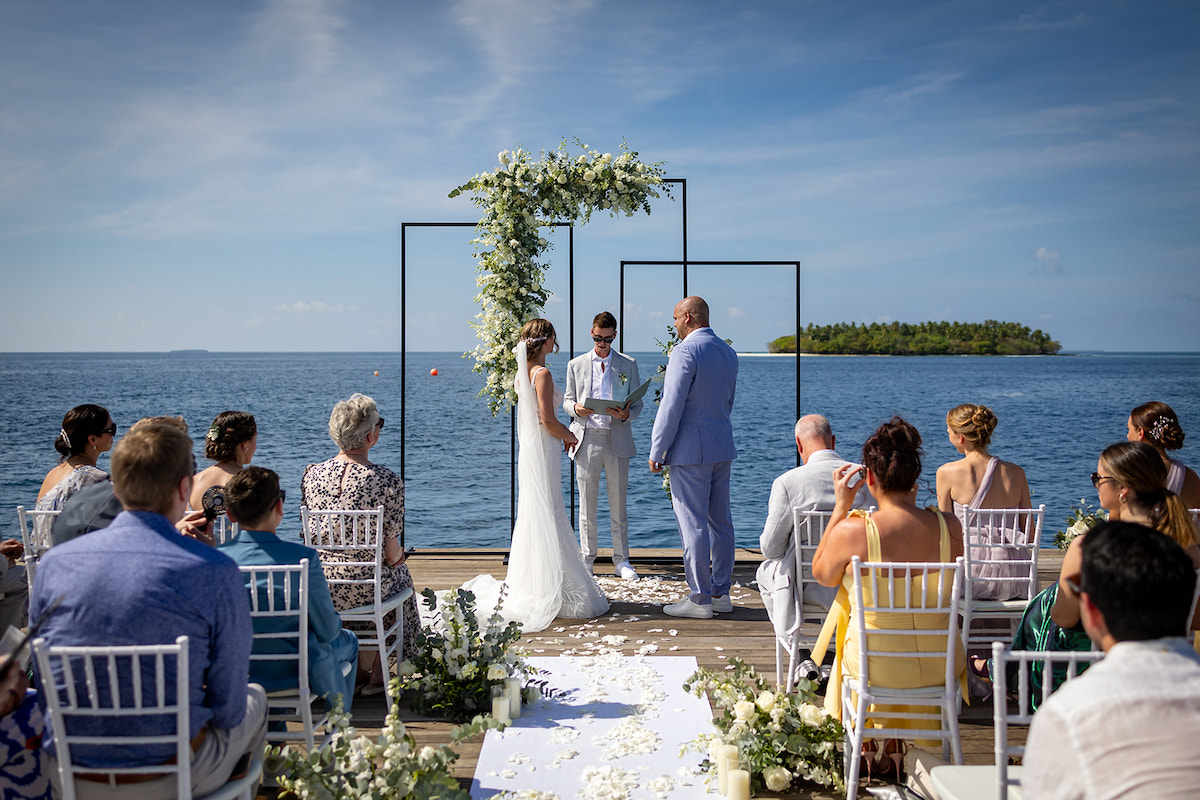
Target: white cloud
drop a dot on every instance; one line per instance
(735, 312)
(1048, 262)
(316, 307)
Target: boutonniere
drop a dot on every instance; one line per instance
(623, 378)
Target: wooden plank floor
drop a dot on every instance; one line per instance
(745, 633)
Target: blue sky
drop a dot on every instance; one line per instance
(233, 175)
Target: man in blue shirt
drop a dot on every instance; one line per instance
(139, 581)
(254, 501)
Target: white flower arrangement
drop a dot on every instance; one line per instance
(518, 198)
(781, 738)
(354, 766)
(459, 663)
(1082, 518)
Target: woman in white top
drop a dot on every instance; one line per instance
(1155, 424)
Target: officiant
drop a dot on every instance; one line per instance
(605, 438)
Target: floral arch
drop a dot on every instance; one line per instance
(520, 197)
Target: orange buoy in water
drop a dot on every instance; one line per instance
(433, 372)
(376, 373)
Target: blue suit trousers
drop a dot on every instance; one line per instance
(700, 497)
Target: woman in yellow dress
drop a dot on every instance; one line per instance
(898, 532)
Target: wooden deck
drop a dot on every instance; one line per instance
(745, 633)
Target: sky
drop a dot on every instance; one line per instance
(233, 176)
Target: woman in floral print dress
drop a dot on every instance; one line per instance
(350, 481)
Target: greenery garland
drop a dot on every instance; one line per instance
(519, 198)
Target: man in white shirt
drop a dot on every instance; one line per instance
(809, 488)
(605, 438)
(1128, 726)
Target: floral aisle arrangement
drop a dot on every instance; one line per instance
(782, 739)
(459, 664)
(351, 765)
(518, 198)
(1082, 518)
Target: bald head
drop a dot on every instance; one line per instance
(690, 313)
(812, 434)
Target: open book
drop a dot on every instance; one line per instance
(603, 405)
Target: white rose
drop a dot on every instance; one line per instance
(778, 779)
(589, 175)
(811, 715)
(407, 668)
(744, 710)
(766, 701)
(562, 178)
(503, 156)
(496, 672)
(436, 654)
(1079, 527)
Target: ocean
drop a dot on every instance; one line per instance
(1056, 413)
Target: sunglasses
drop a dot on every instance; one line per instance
(1073, 585)
(111, 430)
(605, 339)
(282, 495)
(379, 425)
(1097, 478)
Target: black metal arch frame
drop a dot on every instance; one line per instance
(685, 263)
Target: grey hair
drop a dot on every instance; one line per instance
(352, 421)
(814, 426)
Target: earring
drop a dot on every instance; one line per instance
(1123, 499)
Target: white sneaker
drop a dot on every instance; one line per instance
(722, 604)
(686, 608)
(626, 572)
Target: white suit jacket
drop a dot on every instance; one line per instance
(579, 387)
(809, 488)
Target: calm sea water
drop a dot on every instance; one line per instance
(1056, 414)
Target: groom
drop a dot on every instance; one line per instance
(605, 440)
(693, 435)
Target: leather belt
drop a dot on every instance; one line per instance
(126, 778)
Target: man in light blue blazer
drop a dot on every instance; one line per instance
(605, 439)
(693, 435)
(255, 502)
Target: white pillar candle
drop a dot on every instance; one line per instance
(726, 753)
(500, 709)
(738, 783)
(513, 687)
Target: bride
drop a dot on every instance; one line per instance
(546, 574)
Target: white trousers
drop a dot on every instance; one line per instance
(594, 456)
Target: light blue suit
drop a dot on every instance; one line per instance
(330, 646)
(693, 435)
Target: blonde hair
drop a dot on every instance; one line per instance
(976, 423)
(148, 464)
(352, 420)
(535, 333)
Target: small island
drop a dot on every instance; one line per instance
(988, 338)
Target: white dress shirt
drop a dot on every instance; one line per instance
(601, 389)
(1127, 727)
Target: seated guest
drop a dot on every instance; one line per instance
(24, 768)
(1128, 726)
(981, 480)
(1130, 479)
(898, 532)
(14, 586)
(139, 582)
(86, 432)
(350, 481)
(1156, 424)
(255, 502)
(231, 441)
(96, 506)
(808, 488)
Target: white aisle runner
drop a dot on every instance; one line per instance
(616, 721)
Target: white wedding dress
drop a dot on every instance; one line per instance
(546, 574)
